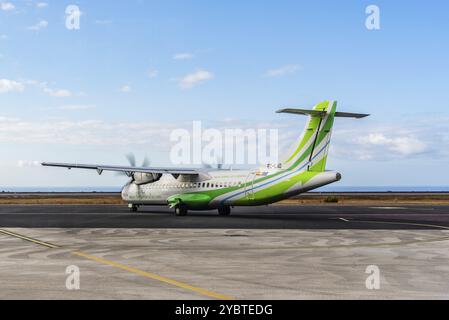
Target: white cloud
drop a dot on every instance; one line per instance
(7, 6)
(35, 83)
(10, 86)
(402, 145)
(282, 71)
(413, 138)
(153, 73)
(40, 25)
(8, 119)
(125, 89)
(351, 141)
(183, 56)
(28, 163)
(147, 135)
(86, 132)
(103, 22)
(78, 107)
(58, 93)
(191, 80)
(41, 4)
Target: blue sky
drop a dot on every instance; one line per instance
(136, 70)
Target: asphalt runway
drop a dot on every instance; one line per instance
(268, 217)
(274, 252)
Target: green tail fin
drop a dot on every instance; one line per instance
(310, 152)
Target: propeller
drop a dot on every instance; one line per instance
(146, 162)
(207, 166)
(218, 165)
(132, 162)
(131, 159)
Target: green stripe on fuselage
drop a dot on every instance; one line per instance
(277, 191)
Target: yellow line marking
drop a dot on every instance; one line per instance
(142, 273)
(219, 296)
(41, 243)
(153, 276)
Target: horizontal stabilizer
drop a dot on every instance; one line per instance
(304, 112)
(351, 115)
(322, 114)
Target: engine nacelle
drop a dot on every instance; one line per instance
(145, 178)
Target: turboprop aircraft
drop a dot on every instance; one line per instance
(186, 189)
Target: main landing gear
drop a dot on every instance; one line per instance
(181, 211)
(133, 207)
(224, 211)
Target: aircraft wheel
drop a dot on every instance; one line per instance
(224, 211)
(133, 208)
(181, 211)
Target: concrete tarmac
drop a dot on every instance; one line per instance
(276, 252)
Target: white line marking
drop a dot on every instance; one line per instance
(389, 208)
(343, 219)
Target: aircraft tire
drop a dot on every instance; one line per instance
(224, 211)
(181, 211)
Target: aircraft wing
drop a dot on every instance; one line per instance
(125, 169)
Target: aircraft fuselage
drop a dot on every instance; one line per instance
(227, 188)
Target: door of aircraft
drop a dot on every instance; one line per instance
(249, 186)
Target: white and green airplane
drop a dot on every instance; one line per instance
(206, 189)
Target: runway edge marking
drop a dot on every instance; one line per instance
(142, 273)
